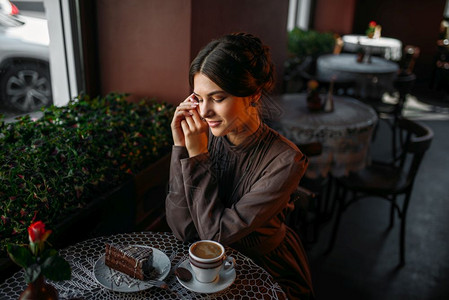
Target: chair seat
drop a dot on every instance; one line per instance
(376, 179)
(384, 108)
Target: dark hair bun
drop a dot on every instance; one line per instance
(259, 58)
(239, 63)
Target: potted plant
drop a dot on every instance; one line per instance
(303, 43)
(304, 47)
(373, 30)
(39, 263)
(74, 157)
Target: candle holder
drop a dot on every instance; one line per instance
(313, 96)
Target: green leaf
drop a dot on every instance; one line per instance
(56, 268)
(102, 134)
(48, 253)
(20, 255)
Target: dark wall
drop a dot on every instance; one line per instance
(146, 46)
(266, 19)
(334, 16)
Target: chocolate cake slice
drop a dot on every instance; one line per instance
(134, 261)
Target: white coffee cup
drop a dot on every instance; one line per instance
(207, 258)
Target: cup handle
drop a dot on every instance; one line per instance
(229, 263)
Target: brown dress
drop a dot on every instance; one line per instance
(239, 196)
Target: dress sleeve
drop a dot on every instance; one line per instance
(176, 210)
(266, 198)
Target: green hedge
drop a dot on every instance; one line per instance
(53, 166)
(302, 43)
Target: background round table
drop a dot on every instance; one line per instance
(344, 133)
(371, 79)
(252, 282)
(389, 48)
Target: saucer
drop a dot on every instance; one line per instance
(120, 282)
(224, 280)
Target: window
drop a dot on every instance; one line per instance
(299, 14)
(37, 55)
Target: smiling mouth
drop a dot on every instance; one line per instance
(213, 123)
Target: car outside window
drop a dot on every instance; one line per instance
(25, 82)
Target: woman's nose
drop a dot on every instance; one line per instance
(205, 109)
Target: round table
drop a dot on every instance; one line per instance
(372, 79)
(252, 282)
(389, 48)
(345, 133)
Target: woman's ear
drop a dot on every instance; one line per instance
(254, 99)
(248, 101)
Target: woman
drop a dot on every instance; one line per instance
(231, 176)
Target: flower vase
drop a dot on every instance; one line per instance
(377, 32)
(314, 101)
(39, 289)
(329, 104)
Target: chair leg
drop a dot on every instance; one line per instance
(318, 216)
(323, 214)
(340, 208)
(403, 227)
(402, 242)
(393, 205)
(330, 198)
(393, 141)
(376, 128)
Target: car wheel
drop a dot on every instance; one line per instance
(26, 87)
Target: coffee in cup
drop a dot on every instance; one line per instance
(207, 258)
(207, 250)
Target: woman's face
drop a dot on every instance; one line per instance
(226, 114)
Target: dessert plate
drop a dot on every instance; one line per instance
(224, 280)
(120, 282)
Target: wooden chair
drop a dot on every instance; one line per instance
(403, 84)
(306, 71)
(409, 56)
(296, 77)
(387, 181)
(338, 47)
(311, 200)
(298, 219)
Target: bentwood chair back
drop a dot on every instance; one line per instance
(403, 84)
(409, 56)
(302, 199)
(387, 181)
(310, 199)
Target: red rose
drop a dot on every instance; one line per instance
(37, 232)
(372, 24)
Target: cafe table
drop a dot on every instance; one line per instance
(345, 132)
(389, 48)
(249, 281)
(372, 78)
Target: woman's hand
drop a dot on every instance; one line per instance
(188, 129)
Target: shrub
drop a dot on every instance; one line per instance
(54, 166)
(303, 43)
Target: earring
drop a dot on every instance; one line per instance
(253, 104)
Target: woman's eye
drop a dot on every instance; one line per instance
(219, 99)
